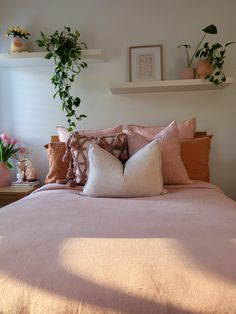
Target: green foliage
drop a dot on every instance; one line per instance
(65, 49)
(215, 54)
(6, 152)
(210, 29)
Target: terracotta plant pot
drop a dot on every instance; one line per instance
(188, 74)
(18, 45)
(203, 68)
(5, 175)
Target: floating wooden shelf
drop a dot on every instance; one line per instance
(166, 86)
(23, 59)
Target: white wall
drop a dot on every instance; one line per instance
(28, 111)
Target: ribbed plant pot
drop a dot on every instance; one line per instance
(18, 44)
(188, 74)
(203, 68)
(5, 175)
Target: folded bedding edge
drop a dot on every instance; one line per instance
(196, 184)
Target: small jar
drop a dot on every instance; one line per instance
(18, 44)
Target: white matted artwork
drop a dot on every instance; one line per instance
(145, 63)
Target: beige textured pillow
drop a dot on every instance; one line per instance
(141, 176)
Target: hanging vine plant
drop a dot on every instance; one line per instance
(65, 49)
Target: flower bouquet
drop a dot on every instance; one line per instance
(7, 149)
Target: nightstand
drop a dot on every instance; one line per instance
(10, 194)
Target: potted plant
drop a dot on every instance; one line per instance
(65, 49)
(7, 150)
(19, 34)
(189, 72)
(211, 66)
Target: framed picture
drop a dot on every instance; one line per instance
(145, 63)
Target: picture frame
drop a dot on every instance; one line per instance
(145, 63)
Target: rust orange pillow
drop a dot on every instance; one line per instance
(57, 168)
(195, 155)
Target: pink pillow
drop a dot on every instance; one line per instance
(63, 134)
(135, 142)
(173, 169)
(186, 129)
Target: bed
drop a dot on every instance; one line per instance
(166, 254)
(63, 252)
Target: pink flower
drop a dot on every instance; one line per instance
(13, 141)
(6, 139)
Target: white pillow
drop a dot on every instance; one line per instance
(141, 175)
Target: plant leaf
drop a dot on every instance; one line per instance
(216, 46)
(210, 29)
(49, 55)
(184, 45)
(230, 43)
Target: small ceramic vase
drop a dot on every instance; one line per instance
(203, 68)
(30, 171)
(18, 44)
(5, 175)
(21, 167)
(188, 74)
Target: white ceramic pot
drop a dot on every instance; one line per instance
(5, 175)
(18, 45)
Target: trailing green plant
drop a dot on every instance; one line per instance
(65, 49)
(215, 54)
(210, 29)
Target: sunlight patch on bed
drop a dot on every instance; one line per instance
(118, 264)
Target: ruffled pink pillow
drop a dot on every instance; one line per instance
(186, 129)
(173, 169)
(63, 134)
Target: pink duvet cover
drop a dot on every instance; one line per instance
(64, 253)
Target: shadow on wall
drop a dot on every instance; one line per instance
(225, 176)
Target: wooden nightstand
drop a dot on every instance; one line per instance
(10, 194)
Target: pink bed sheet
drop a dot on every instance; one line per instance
(61, 252)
